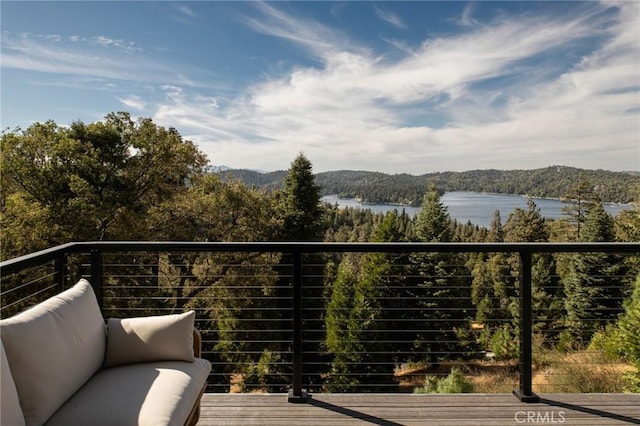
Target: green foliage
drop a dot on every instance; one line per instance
(526, 225)
(504, 343)
(610, 342)
(299, 208)
(595, 285)
(354, 315)
(432, 223)
(627, 224)
(580, 198)
(455, 382)
(440, 285)
(93, 181)
(629, 325)
(263, 375)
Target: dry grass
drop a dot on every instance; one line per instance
(486, 376)
(582, 372)
(575, 372)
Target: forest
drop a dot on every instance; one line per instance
(381, 188)
(375, 313)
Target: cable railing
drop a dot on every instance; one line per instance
(357, 317)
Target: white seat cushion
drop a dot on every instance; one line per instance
(53, 349)
(10, 411)
(154, 394)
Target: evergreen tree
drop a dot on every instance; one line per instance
(594, 289)
(579, 199)
(300, 216)
(432, 223)
(496, 231)
(529, 226)
(365, 304)
(300, 210)
(442, 291)
(627, 228)
(354, 322)
(629, 325)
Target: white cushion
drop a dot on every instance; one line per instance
(10, 411)
(154, 394)
(53, 349)
(146, 339)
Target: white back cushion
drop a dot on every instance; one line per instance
(53, 349)
(148, 339)
(10, 411)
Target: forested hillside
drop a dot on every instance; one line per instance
(375, 187)
(369, 316)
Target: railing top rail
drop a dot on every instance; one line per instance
(35, 259)
(40, 257)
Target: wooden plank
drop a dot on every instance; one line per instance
(413, 409)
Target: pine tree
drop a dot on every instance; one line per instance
(362, 316)
(579, 199)
(301, 213)
(442, 292)
(629, 325)
(529, 226)
(594, 289)
(496, 231)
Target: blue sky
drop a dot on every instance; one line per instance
(398, 87)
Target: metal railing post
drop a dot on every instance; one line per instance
(59, 265)
(96, 274)
(297, 394)
(525, 392)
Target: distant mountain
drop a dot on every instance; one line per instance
(376, 187)
(267, 180)
(216, 169)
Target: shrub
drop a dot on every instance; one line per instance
(504, 343)
(610, 342)
(455, 382)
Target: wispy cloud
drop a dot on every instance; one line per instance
(133, 102)
(186, 10)
(389, 17)
(360, 105)
(89, 57)
(466, 19)
(336, 9)
(321, 41)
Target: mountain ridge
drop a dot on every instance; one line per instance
(404, 188)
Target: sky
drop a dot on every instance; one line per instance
(396, 87)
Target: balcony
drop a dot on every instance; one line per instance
(264, 310)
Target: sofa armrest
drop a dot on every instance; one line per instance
(197, 343)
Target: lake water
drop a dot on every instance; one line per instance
(476, 207)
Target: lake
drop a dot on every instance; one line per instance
(476, 207)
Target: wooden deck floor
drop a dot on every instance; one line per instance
(413, 409)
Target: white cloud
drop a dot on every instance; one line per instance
(389, 17)
(186, 10)
(133, 102)
(430, 109)
(466, 19)
(321, 40)
(78, 56)
(353, 109)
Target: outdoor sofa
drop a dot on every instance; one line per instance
(61, 365)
